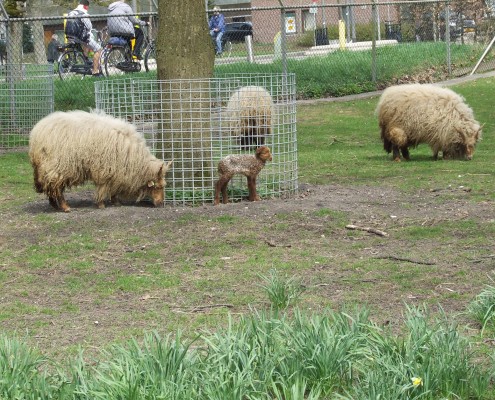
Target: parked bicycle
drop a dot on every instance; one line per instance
(117, 56)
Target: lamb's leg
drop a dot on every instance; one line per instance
(225, 196)
(221, 186)
(218, 189)
(253, 196)
(405, 153)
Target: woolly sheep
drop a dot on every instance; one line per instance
(69, 148)
(412, 114)
(249, 111)
(245, 164)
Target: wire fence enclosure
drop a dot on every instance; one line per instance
(333, 49)
(196, 123)
(26, 96)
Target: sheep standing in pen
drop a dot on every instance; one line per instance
(412, 114)
(249, 111)
(69, 148)
(246, 164)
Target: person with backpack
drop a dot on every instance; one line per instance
(123, 24)
(80, 29)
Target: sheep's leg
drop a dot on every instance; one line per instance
(101, 195)
(60, 199)
(405, 153)
(253, 196)
(115, 200)
(38, 186)
(53, 202)
(395, 153)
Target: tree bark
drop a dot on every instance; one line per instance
(185, 52)
(184, 46)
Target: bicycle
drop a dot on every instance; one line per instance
(73, 59)
(117, 58)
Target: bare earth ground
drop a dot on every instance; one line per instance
(305, 236)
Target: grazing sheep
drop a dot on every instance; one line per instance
(246, 164)
(249, 111)
(69, 148)
(412, 114)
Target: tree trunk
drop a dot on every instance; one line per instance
(185, 52)
(185, 49)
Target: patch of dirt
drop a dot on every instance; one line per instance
(83, 298)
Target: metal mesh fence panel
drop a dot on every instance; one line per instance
(26, 96)
(196, 123)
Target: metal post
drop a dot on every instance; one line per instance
(248, 39)
(323, 18)
(447, 36)
(283, 37)
(379, 33)
(373, 43)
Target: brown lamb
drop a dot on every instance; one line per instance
(245, 164)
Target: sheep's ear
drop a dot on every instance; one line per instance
(167, 165)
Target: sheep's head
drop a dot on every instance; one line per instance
(155, 188)
(464, 149)
(263, 153)
(471, 140)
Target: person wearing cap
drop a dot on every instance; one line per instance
(87, 37)
(123, 24)
(217, 28)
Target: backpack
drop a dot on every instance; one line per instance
(75, 27)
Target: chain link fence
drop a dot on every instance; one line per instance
(333, 49)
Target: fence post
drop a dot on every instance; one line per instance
(447, 36)
(283, 37)
(373, 41)
(248, 39)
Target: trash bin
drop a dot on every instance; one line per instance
(392, 31)
(321, 37)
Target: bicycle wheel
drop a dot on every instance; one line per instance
(150, 58)
(114, 57)
(68, 61)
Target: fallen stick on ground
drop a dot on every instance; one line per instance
(370, 230)
(405, 259)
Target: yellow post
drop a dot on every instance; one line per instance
(342, 41)
(277, 44)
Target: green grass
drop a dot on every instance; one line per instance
(343, 139)
(265, 356)
(63, 271)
